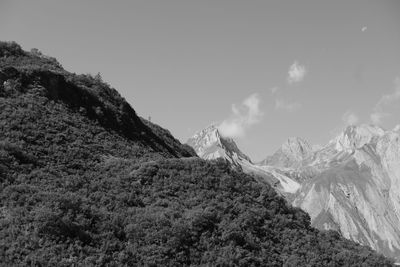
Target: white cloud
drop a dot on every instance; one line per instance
(363, 29)
(350, 118)
(296, 73)
(377, 117)
(285, 105)
(247, 114)
(385, 102)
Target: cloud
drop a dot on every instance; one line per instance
(287, 106)
(242, 117)
(380, 110)
(377, 117)
(350, 118)
(296, 73)
(363, 29)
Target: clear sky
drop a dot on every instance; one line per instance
(266, 70)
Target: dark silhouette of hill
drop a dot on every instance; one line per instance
(84, 181)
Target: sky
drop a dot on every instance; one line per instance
(262, 70)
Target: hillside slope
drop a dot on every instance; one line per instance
(84, 181)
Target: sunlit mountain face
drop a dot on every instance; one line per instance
(352, 184)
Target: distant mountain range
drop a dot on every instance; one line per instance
(352, 184)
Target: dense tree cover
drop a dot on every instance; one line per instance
(11, 49)
(84, 181)
(169, 138)
(11, 54)
(88, 95)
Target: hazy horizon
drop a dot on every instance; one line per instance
(265, 70)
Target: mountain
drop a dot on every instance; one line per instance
(291, 153)
(350, 185)
(357, 188)
(209, 144)
(355, 137)
(84, 181)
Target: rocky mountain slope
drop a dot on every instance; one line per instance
(356, 190)
(349, 185)
(209, 144)
(291, 153)
(84, 181)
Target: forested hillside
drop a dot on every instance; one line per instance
(84, 181)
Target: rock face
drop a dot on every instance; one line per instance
(355, 137)
(209, 144)
(351, 185)
(356, 189)
(291, 153)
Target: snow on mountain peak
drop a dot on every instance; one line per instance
(204, 139)
(292, 152)
(209, 144)
(355, 137)
(298, 147)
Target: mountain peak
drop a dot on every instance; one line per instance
(292, 151)
(364, 127)
(204, 139)
(209, 144)
(355, 137)
(297, 145)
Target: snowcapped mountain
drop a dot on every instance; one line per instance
(355, 137)
(356, 187)
(291, 153)
(209, 144)
(352, 184)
